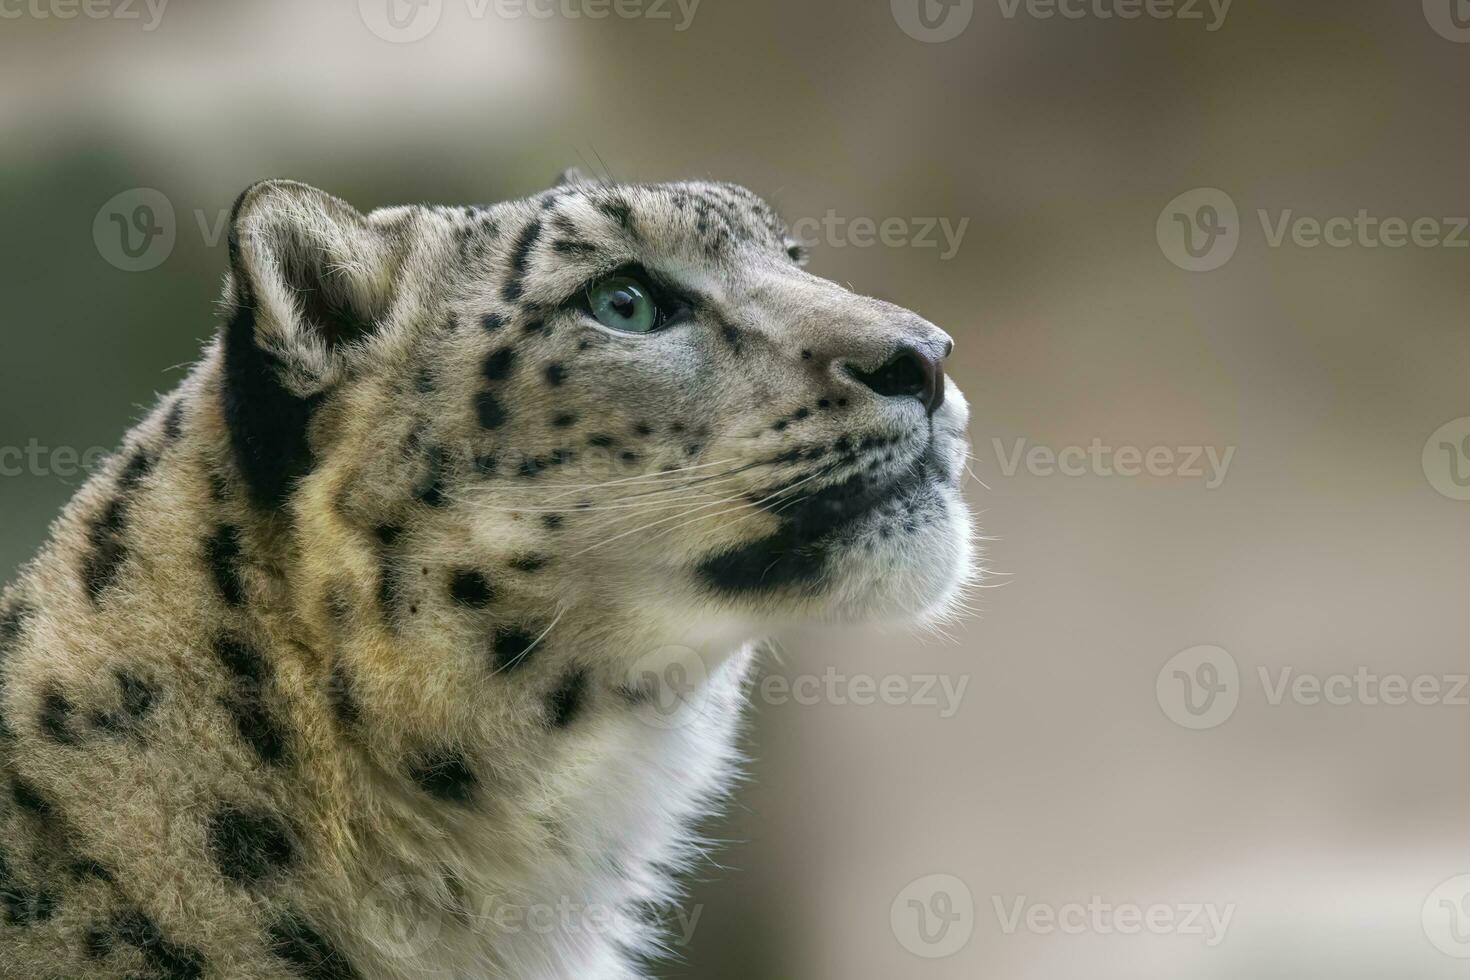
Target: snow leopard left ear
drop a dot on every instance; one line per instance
(316, 272)
(310, 278)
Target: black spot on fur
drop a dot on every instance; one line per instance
(529, 563)
(248, 845)
(571, 247)
(342, 698)
(108, 551)
(222, 552)
(250, 677)
(519, 258)
(492, 322)
(619, 211)
(430, 488)
(23, 906)
(445, 775)
(387, 534)
(564, 420)
(136, 701)
(491, 412)
(534, 325)
(601, 441)
(565, 703)
(267, 423)
(470, 588)
(173, 422)
(555, 374)
(54, 719)
(513, 645)
(296, 942)
(498, 364)
(169, 960)
(29, 798)
(551, 521)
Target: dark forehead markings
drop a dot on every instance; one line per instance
(222, 552)
(250, 676)
(248, 844)
(555, 374)
(519, 258)
(573, 247)
(444, 774)
(310, 954)
(565, 703)
(619, 210)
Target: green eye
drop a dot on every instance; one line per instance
(623, 303)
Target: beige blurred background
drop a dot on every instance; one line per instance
(1061, 772)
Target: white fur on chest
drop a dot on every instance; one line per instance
(610, 827)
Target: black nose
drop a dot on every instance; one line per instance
(909, 373)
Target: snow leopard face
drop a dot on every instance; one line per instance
(634, 395)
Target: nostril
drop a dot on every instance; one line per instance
(909, 373)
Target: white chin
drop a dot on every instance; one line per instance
(908, 578)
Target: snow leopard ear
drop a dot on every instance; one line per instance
(310, 278)
(316, 273)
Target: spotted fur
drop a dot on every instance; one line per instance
(357, 658)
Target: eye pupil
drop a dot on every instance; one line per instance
(624, 303)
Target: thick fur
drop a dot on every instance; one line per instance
(352, 663)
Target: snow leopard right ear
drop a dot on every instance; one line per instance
(310, 279)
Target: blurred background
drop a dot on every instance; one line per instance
(1225, 458)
